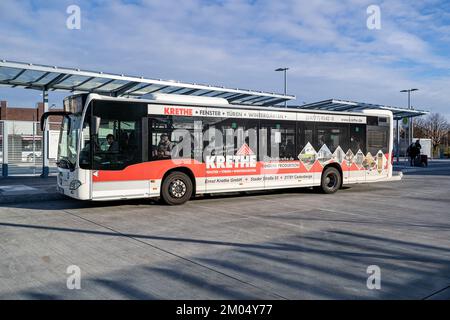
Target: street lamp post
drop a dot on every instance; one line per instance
(285, 81)
(410, 129)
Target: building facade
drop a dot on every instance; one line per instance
(21, 136)
(24, 113)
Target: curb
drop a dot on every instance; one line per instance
(38, 197)
(424, 170)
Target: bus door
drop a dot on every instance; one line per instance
(119, 151)
(356, 156)
(280, 163)
(378, 148)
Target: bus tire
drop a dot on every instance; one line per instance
(331, 180)
(176, 188)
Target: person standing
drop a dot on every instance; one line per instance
(411, 152)
(417, 148)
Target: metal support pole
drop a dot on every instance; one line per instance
(398, 142)
(34, 146)
(285, 82)
(285, 86)
(45, 169)
(409, 119)
(5, 149)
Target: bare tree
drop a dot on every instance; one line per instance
(435, 127)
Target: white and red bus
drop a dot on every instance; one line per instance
(175, 147)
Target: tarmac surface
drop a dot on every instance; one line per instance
(288, 244)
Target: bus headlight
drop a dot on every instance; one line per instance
(74, 184)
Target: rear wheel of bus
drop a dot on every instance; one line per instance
(176, 188)
(331, 180)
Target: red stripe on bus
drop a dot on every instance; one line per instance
(156, 170)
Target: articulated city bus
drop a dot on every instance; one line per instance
(176, 147)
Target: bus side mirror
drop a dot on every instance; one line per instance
(45, 115)
(43, 120)
(96, 124)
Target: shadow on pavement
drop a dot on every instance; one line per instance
(311, 266)
(69, 203)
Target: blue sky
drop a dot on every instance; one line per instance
(327, 45)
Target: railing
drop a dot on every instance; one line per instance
(21, 147)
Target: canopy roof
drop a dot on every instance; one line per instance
(351, 106)
(41, 77)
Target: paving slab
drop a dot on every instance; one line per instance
(286, 244)
(20, 189)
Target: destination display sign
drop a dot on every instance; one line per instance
(189, 111)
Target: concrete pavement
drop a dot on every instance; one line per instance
(28, 188)
(295, 244)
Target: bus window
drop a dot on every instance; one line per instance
(236, 133)
(357, 138)
(117, 144)
(281, 140)
(332, 135)
(85, 153)
(305, 135)
(162, 145)
(213, 140)
(117, 135)
(171, 136)
(377, 139)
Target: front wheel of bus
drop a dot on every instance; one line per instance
(331, 180)
(176, 188)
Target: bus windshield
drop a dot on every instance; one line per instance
(68, 142)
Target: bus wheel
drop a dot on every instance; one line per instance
(331, 180)
(176, 189)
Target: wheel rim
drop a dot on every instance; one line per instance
(331, 180)
(177, 188)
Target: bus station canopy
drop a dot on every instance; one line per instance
(48, 78)
(52, 78)
(350, 106)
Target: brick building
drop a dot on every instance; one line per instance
(24, 137)
(24, 114)
(20, 113)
